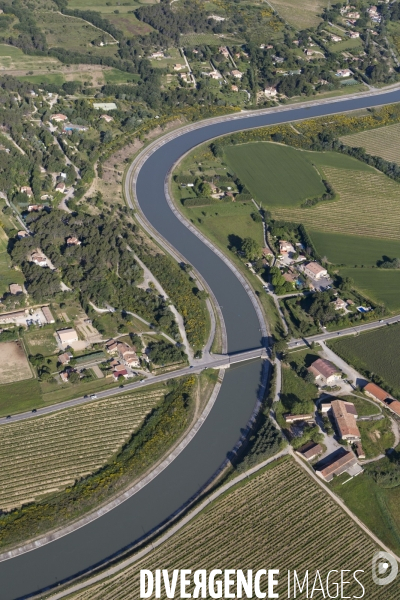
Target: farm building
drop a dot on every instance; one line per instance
(314, 270)
(310, 450)
(67, 336)
(337, 466)
(374, 391)
(345, 415)
(47, 315)
(324, 371)
(393, 405)
(16, 289)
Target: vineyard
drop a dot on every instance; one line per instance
(46, 454)
(368, 206)
(279, 519)
(384, 142)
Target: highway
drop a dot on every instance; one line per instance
(356, 330)
(213, 361)
(60, 557)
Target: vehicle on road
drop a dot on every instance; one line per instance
(93, 397)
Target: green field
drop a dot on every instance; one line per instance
(115, 76)
(209, 39)
(129, 24)
(276, 175)
(353, 250)
(365, 408)
(377, 507)
(41, 341)
(384, 142)
(13, 58)
(381, 285)
(374, 352)
(346, 44)
(301, 15)
(376, 436)
(54, 78)
(105, 6)
(20, 396)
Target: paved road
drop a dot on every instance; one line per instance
(49, 564)
(356, 330)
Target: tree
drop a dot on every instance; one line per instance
(251, 248)
(74, 377)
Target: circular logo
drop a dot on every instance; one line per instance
(384, 568)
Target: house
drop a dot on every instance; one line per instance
(270, 92)
(58, 117)
(353, 15)
(73, 241)
(64, 376)
(315, 271)
(290, 278)
(47, 315)
(215, 75)
(67, 336)
(22, 234)
(237, 74)
(46, 197)
(64, 358)
(224, 51)
(25, 189)
(107, 118)
(35, 207)
(104, 106)
(128, 355)
(374, 391)
(343, 73)
(372, 11)
(359, 450)
(394, 406)
(293, 418)
(339, 304)
(324, 371)
(349, 302)
(285, 247)
(60, 187)
(310, 450)
(234, 88)
(338, 466)
(112, 346)
(336, 38)
(158, 54)
(325, 407)
(308, 52)
(216, 18)
(354, 34)
(345, 415)
(16, 289)
(178, 67)
(39, 259)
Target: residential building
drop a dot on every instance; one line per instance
(105, 106)
(339, 304)
(59, 118)
(216, 18)
(39, 259)
(324, 371)
(354, 34)
(393, 405)
(325, 407)
(215, 75)
(315, 271)
(107, 118)
(73, 241)
(285, 247)
(64, 358)
(112, 346)
(224, 51)
(60, 187)
(178, 67)
(234, 88)
(25, 189)
(158, 54)
(338, 466)
(35, 207)
(359, 450)
(270, 92)
(353, 15)
(336, 38)
(67, 336)
(47, 315)
(374, 391)
(22, 234)
(343, 73)
(345, 415)
(16, 289)
(310, 450)
(237, 74)
(64, 376)
(293, 418)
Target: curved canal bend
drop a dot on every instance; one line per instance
(65, 557)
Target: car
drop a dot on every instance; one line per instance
(121, 386)
(381, 321)
(34, 410)
(8, 417)
(93, 397)
(86, 396)
(338, 333)
(191, 367)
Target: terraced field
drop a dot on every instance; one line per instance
(384, 142)
(368, 206)
(261, 524)
(47, 454)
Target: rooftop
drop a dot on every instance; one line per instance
(376, 391)
(323, 367)
(345, 418)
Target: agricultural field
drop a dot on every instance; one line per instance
(376, 436)
(208, 39)
(115, 76)
(374, 352)
(377, 507)
(381, 285)
(351, 250)
(384, 142)
(46, 454)
(41, 341)
(12, 58)
(231, 536)
(105, 6)
(20, 396)
(301, 15)
(263, 167)
(14, 365)
(71, 33)
(129, 24)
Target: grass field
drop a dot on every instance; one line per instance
(54, 78)
(381, 285)
(384, 142)
(41, 341)
(276, 175)
(14, 365)
(129, 24)
(20, 396)
(71, 33)
(353, 250)
(251, 527)
(301, 15)
(13, 58)
(375, 351)
(47, 454)
(377, 507)
(376, 436)
(209, 39)
(365, 408)
(114, 76)
(105, 6)
(346, 44)
(367, 206)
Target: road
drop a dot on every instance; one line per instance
(50, 563)
(356, 330)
